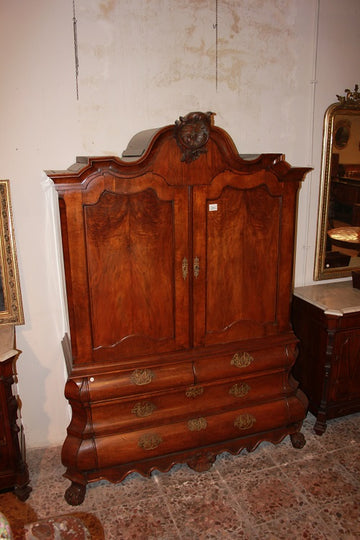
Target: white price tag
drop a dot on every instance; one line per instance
(213, 207)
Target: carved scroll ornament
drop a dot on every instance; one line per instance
(192, 133)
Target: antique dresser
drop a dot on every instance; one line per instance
(14, 472)
(178, 263)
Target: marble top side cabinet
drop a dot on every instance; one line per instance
(326, 319)
(13, 469)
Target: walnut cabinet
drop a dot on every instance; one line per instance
(178, 262)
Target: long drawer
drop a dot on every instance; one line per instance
(166, 407)
(196, 431)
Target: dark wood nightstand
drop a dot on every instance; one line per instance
(326, 319)
(13, 469)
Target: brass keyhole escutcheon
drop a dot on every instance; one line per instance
(197, 424)
(149, 441)
(141, 377)
(244, 421)
(241, 360)
(185, 268)
(239, 390)
(194, 391)
(196, 267)
(143, 409)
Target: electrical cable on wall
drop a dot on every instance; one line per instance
(216, 28)
(76, 52)
(313, 82)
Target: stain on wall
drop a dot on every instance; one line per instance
(152, 54)
(107, 8)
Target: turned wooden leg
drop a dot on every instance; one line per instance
(75, 494)
(298, 440)
(320, 424)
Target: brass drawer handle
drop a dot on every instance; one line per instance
(143, 409)
(244, 421)
(239, 390)
(194, 391)
(197, 424)
(142, 376)
(149, 441)
(241, 360)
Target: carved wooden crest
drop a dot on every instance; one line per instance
(192, 133)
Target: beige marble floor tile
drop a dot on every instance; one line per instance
(147, 519)
(340, 433)
(297, 526)
(260, 458)
(211, 515)
(185, 482)
(343, 518)
(322, 480)
(264, 495)
(349, 458)
(134, 488)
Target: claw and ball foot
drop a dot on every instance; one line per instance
(298, 440)
(75, 494)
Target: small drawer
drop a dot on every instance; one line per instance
(196, 431)
(243, 362)
(150, 378)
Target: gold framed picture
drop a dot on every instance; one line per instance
(11, 308)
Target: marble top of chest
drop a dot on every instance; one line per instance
(333, 298)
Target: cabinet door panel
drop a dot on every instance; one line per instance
(5, 441)
(238, 252)
(135, 243)
(346, 369)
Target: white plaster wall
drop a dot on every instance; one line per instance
(142, 64)
(337, 68)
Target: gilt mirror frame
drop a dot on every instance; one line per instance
(11, 308)
(336, 134)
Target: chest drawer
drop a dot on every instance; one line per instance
(244, 362)
(198, 430)
(111, 385)
(162, 408)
